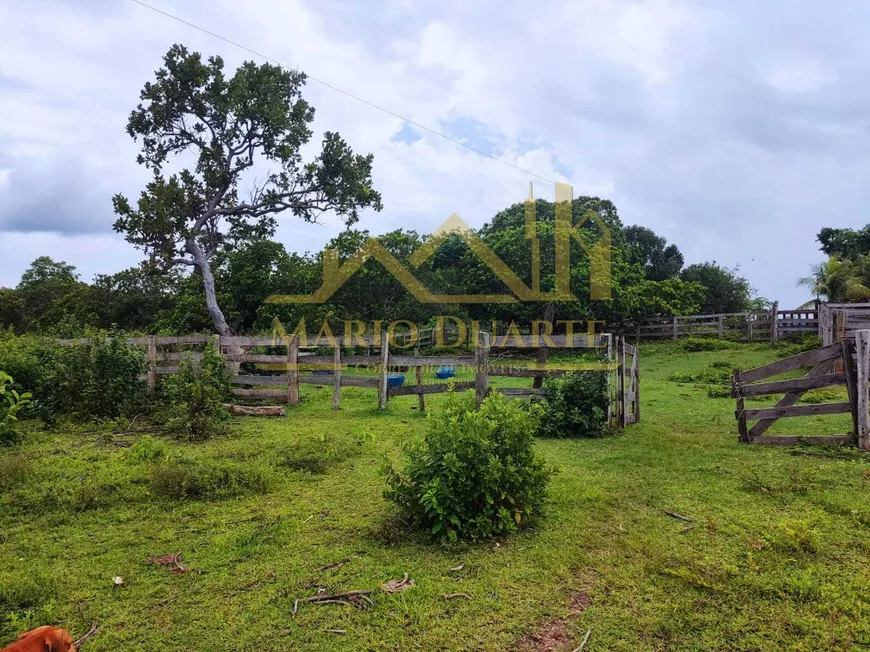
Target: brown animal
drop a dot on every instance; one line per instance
(43, 639)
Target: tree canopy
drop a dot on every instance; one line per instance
(227, 125)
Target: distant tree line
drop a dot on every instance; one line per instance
(648, 280)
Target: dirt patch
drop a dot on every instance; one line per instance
(553, 635)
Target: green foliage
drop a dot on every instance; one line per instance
(703, 377)
(95, 380)
(660, 260)
(149, 449)
(697, 344)
(318, 454)
(475, 475)
(839, 279)
(192, 400)
(183, 477)
(725, 290)
(575, 405)
(794, 346)
(227, 124)
(11, 403)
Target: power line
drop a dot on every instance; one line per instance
(418, 125)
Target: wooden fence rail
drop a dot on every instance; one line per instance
(280, 367)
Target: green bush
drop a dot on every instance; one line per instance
(475, 474)
(575, 405)
(191, 478)
(149, 449)
(11, 403)
(84, 381)
(192, 400)
(795, 345)
(697, 344)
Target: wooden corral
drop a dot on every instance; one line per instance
(283, 365)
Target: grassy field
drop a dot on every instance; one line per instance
(775, 556)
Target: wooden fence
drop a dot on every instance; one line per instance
(750, 326)
(836, 364)
(282, 365)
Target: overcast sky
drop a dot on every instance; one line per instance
(734, 129)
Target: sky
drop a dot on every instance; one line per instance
(734, 129)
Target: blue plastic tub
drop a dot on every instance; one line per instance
(395, 380)
(445, 372)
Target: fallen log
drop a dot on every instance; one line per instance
(257, 410)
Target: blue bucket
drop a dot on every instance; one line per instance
(395, 380)
(445, 372)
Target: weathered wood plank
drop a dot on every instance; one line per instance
(434, 360)
(261, 380)
(862, 347)
(521, 391)
(522, 372)
(793, 385)
(794, 440)
(797, 411)
(794, 362)
(847, 347)
(293, 371)
(261, 393)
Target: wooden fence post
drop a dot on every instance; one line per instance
(152, 364)
(862, 351)
(609, 415)
(384, 387)
(336, 378)
(623, 403)
(749, 328)
(840, 322)
(721, 326)
(418, 372)
(847, 347)
(293, 370)
(736, 384)
(774, 325)
(636, 366)
(481, 367)
(676, 328)
(825, 326)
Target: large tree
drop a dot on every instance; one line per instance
(660, 260)
(224, 127)
(724, 289)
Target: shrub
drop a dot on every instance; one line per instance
(475, 474)
(317, 455)
(11, 403)
(95, 380)
(191, 478)
(194, 397)
(149, 449)
(575, 405)
(795, 345)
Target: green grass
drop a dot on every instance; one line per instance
(775, 557)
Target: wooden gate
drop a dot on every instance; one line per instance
(627, 403)
(832, 365)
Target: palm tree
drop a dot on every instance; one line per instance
(839, 280)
